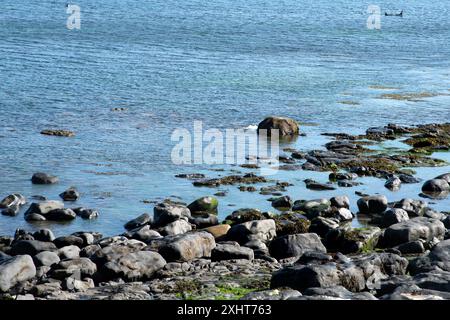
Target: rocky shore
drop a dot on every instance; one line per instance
(307, 251)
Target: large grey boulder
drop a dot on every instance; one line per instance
(165, 213)
(393, 216)
(294, 245)
(189, 246)
(436, 185)
(140, 221)
(31, 247)
(134, 266)
(285, 126)
(44, 207)
(43, 178)
(228, 251)
(411, 230)
(46, 258)
(263, 230)
(175, 228)
(15, 270)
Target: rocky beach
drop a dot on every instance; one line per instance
(304, 249)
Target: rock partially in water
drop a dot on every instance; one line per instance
(414, 208)
(58, 133)
(393, 183)
(87, 214)
(44, 178)
(285, 126)
(393, 216)
(282, 203)
(166, 212)
(70, 194)
(314, 185)
(372, 204)
(140, 221)
(61, 215)
(340, 202)
(44, 207)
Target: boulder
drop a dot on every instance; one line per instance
(411, 230)
(285, 126)
(138, 222)
(322, 226)
(69, 241)
(45, 235)
(44, 207)
(61, 215)
(295, 245)
(340, 202)
(82, 267)
(144, 234)
(34, 217)
(166, 212)
(31, 247)
(175, 228)
(189, 246)
(393, 183)
(393, 216)
(436, 186)
(43, 178)
(15, 200)
(70, 194)
(372, 204)
(69, 252)
(219, 231)
(445, 176)
(354, 240)
(414, 208)
(16, 270)
(312, 208)
(264, 230)
(87, 214)
(230, 252)
(204, 205)
(46, 258)
(245, 215)
(291, 223)
(282, 203)
(204, 220)
(134, 266)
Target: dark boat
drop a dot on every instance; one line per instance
(400, 14)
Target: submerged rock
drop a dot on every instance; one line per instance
(372, 204)
(70, 194)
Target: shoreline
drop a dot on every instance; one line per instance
(183, 252)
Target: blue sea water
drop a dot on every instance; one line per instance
(226, 63)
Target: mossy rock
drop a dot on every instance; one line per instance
(204, 205)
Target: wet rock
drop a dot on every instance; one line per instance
(58, 132)
(372, 204)
(69, 252)
(70, 194)
(134, 266)
(45, 235)
(188, 247)
(285, 126)
(14, 201)
(436, 186)
(11, 211)
(34, 217)
(46, 258)
(341, 214)
(43, 178)
(144, 234)
(322, 226)
(69, 241)
(204, 221)
(340, 202)
(352, 240)
(282, 203)
(31, 247)
(408, 179)
(44, 207)
(314, 185)
(295, 245)
(414, 208)
(412, 230)
(175, 228)
(218, 231)
(340, 176)
(445, 176)
(226, 251)
(393, 216)
(312, 208)
(190, 176)
(393, 183)
(61, 215)
(165, 213)
(138, 222)
(15, 270)
(249, 178)
(87, 214)
(264, 230)
(204, 205)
